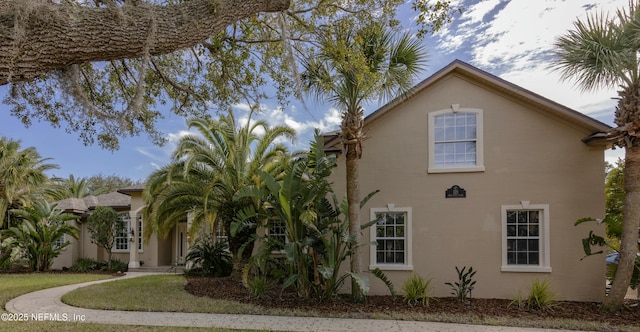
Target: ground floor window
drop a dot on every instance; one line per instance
(59, 242)
(525, 238)
(392, 237)
(124, 236)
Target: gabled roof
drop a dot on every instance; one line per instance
(483, 78)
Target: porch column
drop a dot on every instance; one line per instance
(134, 255)
(189, 223)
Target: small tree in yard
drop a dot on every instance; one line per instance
(104, 225)
(36, 237)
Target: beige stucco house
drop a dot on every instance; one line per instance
(472, 170)
(475, 171)
(128, 202)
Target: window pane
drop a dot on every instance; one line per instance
(390, 238)
(523, 230)
(523, 237)
(470, 132)
(450, 133)
(390, 232)
(471, 119)
(522, 217)
(521, 258)
(458, 133)
(439, 134)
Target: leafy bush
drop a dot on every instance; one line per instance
(465, 284)
(383, 277)
(90, 264)
(212, 257)
(258, 286)
(115, 265)
(416, 290)
(540, 296)
(41, 226)
(85, 265)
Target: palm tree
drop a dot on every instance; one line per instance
(208, 170)
(21, 173)
(601, 52)
(376, 65)
(42, 226)
(71, 188)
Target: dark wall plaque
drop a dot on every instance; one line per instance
(455, 192)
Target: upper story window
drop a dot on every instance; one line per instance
(525, 238)
(455, 140)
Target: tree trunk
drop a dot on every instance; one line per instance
(37, 37)
(351, 127)
(353, 199)
(630, 225)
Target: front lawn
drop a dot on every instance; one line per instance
(152, 293)
(13, 285)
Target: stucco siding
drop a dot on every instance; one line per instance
(529, 155)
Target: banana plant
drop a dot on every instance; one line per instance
(317, 233)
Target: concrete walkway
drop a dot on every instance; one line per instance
(46, 305)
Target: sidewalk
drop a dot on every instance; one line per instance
(46, 305)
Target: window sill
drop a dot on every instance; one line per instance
(391, 267)
(465, 169)
(538, 269)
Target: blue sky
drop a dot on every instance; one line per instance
(510, 39)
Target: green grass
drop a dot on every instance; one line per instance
(14, 285)
(134, 295)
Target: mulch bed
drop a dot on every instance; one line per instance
(231, 288)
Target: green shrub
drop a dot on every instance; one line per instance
(116, 266)
(85, 265)
(212, 257)
(258, 286)
(540, 296)
(519, 300)
(465, 284)
(416, 290)
(90, 264)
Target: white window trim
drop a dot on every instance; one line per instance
(545, 254)
(408, 265)
(129, 242)
(286, 239)
(60, 242)
(455, 108)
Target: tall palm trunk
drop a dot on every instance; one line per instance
(627, 113)
(352, 124)
(630, 225)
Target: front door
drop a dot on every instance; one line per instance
(181, 242)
